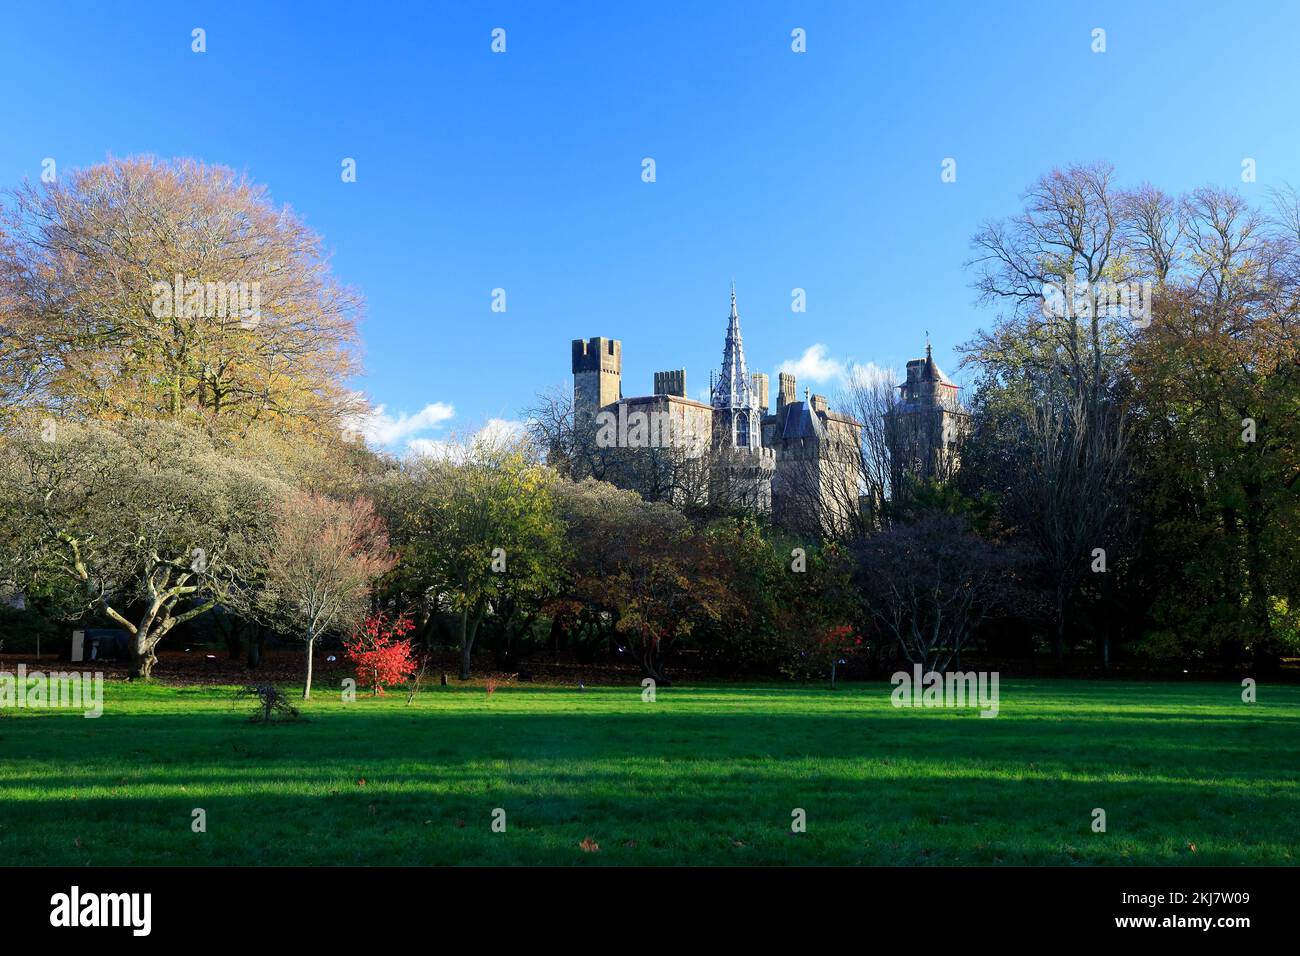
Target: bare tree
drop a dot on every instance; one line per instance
(1071, 501)
(870, 398)
(680, 472)
(1063, 369)
(1154, 229)
(930, 585)
(1072, 237)
(1231, 248)
(839, 487)
(320, 565)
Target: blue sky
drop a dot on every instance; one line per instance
(522, 170)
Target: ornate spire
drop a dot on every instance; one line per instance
(732, 388)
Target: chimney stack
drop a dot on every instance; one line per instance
(759, 380)
(671, 383)
(785, 390)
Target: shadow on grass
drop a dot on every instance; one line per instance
(691, 779)
(707, 819)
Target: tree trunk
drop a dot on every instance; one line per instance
(1059, 636)
(142, 656)
(652, 663)
(142, 662)
(424, 633)
(468, 631)
(465, 648)
(1263, 650)
(556, 627)
(648, 664)
(306, 690)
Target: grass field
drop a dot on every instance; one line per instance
(701, 776)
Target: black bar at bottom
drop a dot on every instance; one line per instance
(333, 905)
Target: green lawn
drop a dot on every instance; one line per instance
(704, 775)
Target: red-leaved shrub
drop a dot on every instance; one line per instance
(380, 652)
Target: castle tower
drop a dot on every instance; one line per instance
(924, 426)
(597, 374)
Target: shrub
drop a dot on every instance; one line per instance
(271, 703)
(381, 654)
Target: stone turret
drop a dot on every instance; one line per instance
(597, 374)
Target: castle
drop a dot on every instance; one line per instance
(800, 463)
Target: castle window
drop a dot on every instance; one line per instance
(742, 431)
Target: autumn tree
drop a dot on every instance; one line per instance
(1185, 405)
(147, 288)
(645, 565)
(1220, 428)
(319, 566)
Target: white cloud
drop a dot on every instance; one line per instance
(497, 431)
(380, 428)
(428, 448)
(871, 375)
(814, 366)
